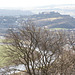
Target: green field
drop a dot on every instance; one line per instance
(3, 61)
(1, 40)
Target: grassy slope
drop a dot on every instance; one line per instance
(3, 61)
(50, 19)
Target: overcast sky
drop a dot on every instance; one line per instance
(31, 3)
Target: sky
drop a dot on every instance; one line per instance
(32, 3)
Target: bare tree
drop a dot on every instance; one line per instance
(38, 49)
(65, 64)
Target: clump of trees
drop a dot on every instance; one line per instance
(43, 52)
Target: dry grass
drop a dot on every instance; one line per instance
(50, 19)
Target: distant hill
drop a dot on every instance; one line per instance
(54, 20)
(44, 19)
(5, 12)
(61, 8)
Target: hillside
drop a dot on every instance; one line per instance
(44, 19)
(67, 9)
(54, 20)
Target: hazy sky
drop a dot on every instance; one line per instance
(31, 3)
